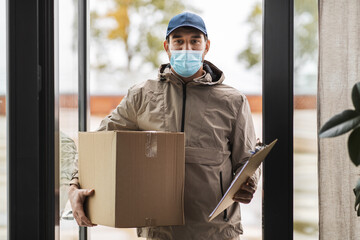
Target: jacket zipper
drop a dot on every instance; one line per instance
(222, 193)
(183, 108)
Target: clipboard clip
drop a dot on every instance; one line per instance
(259, 145)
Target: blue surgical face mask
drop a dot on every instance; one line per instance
(186, 62)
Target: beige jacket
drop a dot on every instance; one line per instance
(219, 134)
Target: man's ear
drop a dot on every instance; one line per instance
(166, 46)
(207, 46)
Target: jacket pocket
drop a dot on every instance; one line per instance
(222, 194)
(206, 156)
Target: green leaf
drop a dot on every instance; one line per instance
(355, 95)
(340, 124)
(354, 146)
(357, 199)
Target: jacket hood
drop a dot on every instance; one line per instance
(212, 75)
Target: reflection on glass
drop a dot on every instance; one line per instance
(305, 138)
(68, 113)
(126, 48)
(68, 165)
(3, 168)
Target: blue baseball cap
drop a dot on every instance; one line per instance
(186, 19)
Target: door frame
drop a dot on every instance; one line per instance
(31, 120)
(278, 109)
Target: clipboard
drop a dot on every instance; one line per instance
(247, 171)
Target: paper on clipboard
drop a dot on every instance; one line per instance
(247, 171)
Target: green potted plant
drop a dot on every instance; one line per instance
(342, 123)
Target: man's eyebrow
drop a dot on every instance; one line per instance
(177, 36)
(180, 36)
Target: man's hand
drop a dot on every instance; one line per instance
(246, 191)
(77, 198)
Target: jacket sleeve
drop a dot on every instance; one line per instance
(243, 138)
(124, 117)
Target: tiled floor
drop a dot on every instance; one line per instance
(305, 194)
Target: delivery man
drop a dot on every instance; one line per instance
(189, 96)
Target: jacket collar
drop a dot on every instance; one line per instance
(212, 75)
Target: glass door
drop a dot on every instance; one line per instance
(126, 48)
(306, 217)
(3, 128)
(68, 110)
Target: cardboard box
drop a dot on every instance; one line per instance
(138, 177)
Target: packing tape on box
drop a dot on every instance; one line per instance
(149, 222)
(151, 144)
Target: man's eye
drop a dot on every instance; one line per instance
(194, 41)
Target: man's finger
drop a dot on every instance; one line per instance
(81, 217)
(246, 198)
(88, 192)
(85, 221)
(77, 218)
(248, 188)
(251, 182)
(242, 200)
(243, 193)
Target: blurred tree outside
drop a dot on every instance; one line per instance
(305, 43)
(139, 26)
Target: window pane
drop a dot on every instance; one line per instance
(68, 113)
(126, 48)
(3, 131)
(305, 126)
